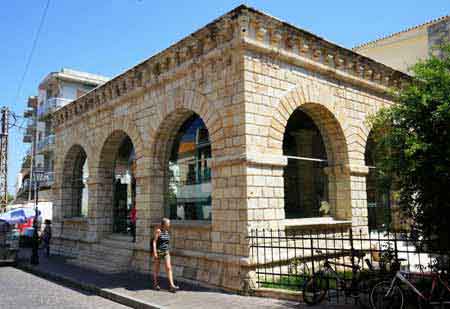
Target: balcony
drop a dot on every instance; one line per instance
(28, 113)
(32, 102)
(27, 138)
(45, 143)
(50, 106)
(47, 180)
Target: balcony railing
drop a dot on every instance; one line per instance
(45, 142)
(50, 106)
(46, 180)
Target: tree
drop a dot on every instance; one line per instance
(10, 197)
(413, 146)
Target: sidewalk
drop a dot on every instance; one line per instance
(134, 289)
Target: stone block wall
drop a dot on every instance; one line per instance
(244, 83)
(438, 34)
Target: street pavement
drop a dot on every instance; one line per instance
(19, 289)
(134, 289)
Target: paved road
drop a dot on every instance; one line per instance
(19, 289)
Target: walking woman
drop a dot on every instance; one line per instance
(160, 250)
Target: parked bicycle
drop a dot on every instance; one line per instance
(391, 294)
(328, 278)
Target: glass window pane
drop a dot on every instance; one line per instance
(124, 186)
(305, 181)
(189, 189)
(80, 191)
(378, 189)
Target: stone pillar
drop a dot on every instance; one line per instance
(358, 176)
(339, 191)
(102, 188)
(265, 190)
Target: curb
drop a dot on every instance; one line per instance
(105, 293)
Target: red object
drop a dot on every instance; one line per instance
(133, 215)
(23, 226)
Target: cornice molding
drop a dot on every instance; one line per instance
(243, 27)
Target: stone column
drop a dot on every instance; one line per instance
(102, 188)
(358, 176)
(94, 214)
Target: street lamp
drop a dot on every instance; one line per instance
(38, 176)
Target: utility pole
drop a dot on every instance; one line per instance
(34, 176)
(4, 159)
(33, 155)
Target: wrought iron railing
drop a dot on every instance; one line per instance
(45, 142)
(289, 258)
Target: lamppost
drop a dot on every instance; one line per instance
(34, 260)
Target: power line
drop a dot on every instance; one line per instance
(33, 47)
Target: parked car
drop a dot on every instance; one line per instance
(9, 243)
(23, 219)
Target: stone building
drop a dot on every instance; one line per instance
(403, 49)
(246, 123)
(400, 50)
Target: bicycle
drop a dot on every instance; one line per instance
(318, 286)
(389, 294)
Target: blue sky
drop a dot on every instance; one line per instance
(109, 36)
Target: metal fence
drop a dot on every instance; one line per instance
(287, 259)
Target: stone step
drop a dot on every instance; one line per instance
(113, 254)
(107, 251)
(112, 244)
(112, 261)
(104, 268)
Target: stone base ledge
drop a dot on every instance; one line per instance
(74, 220)
(187, 224)
(217, 257)
(73, 238)
(278, 294)
(314, 223)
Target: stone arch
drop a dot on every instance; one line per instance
(104, 176)
(169, 118)
(71, 182)
(118, 129)
(319, 104)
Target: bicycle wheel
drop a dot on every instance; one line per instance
(315, 289)
(364, 288)
(380, 299)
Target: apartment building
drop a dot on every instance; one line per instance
(56, 90)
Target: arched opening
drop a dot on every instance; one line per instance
(306, 185)
(188, 195)
(116, 185)
(378, 189)
(75, 183)
(124, 187)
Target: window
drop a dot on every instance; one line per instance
(378, 190)
(189, 189)
(79, 205)
(305, 181)
(124, 186)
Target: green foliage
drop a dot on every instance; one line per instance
(413, 146)
(26, 162)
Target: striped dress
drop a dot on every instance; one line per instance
(162, 243)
